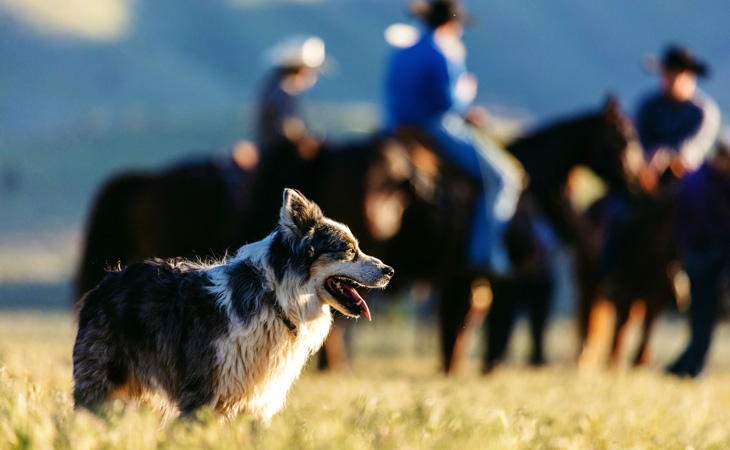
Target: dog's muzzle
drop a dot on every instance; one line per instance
(344, 290)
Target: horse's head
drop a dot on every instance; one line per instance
(613, 152)
(402, 173)
(413, 205)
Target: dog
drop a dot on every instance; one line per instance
(231, 335)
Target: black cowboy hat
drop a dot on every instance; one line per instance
(680, 58)
(437, 12)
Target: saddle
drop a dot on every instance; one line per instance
(431, 168)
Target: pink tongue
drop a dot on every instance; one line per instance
(358, 299)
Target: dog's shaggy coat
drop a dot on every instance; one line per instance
(232, 336)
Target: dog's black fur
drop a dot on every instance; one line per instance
(156, 323)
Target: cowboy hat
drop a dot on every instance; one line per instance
(437, 12)
(297, 51)
(677, 58)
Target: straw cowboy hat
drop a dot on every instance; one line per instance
(297, 51)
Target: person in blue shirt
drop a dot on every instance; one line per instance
(678, 123)
(428, 88)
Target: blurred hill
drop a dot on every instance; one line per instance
(170, 63)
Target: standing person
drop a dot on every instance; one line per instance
(296, 62)
(677, 124)
(427, 87)
(703, 231)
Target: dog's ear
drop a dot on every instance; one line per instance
(298, 215)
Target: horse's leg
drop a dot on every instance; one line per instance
(500, 321)
(480, 303)
(539, 303)
(585, 271)
(653, 309)
(333, 355)
(623, 312)
(453, 308)
(600, 332)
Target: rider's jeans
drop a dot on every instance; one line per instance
(499, 191)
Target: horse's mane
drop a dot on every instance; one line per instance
(555, 130)
(549, 152)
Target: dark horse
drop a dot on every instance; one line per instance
(636, 262)
(187, 210)
(598, 141)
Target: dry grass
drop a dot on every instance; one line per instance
(392, 398)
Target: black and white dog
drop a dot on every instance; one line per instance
(233, 335)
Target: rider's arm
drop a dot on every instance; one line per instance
(695, 148)
(439, 86)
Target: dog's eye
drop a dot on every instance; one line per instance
(350, 252)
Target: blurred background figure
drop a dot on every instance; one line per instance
(703, 232)
(427, 88)
(295, 64)
(678, 124)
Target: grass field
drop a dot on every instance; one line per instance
(393, 397)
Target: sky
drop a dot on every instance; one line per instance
(539, 60)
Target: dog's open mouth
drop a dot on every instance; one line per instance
(343, 290)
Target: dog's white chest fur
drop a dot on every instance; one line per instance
(257, 365)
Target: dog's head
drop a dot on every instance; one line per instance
(325, 254)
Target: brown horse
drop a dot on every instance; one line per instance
(188, 210)
(598, 140)
(635, 260)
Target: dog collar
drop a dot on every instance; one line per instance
(269, 297)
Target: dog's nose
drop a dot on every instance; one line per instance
(388, 271)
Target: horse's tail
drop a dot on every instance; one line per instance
(108, 236)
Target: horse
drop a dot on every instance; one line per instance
(187, 210)
(636, 265)
(597, 140)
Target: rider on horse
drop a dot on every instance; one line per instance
(295, 62)
(427, 88)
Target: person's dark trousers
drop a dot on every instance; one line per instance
(704, 268)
